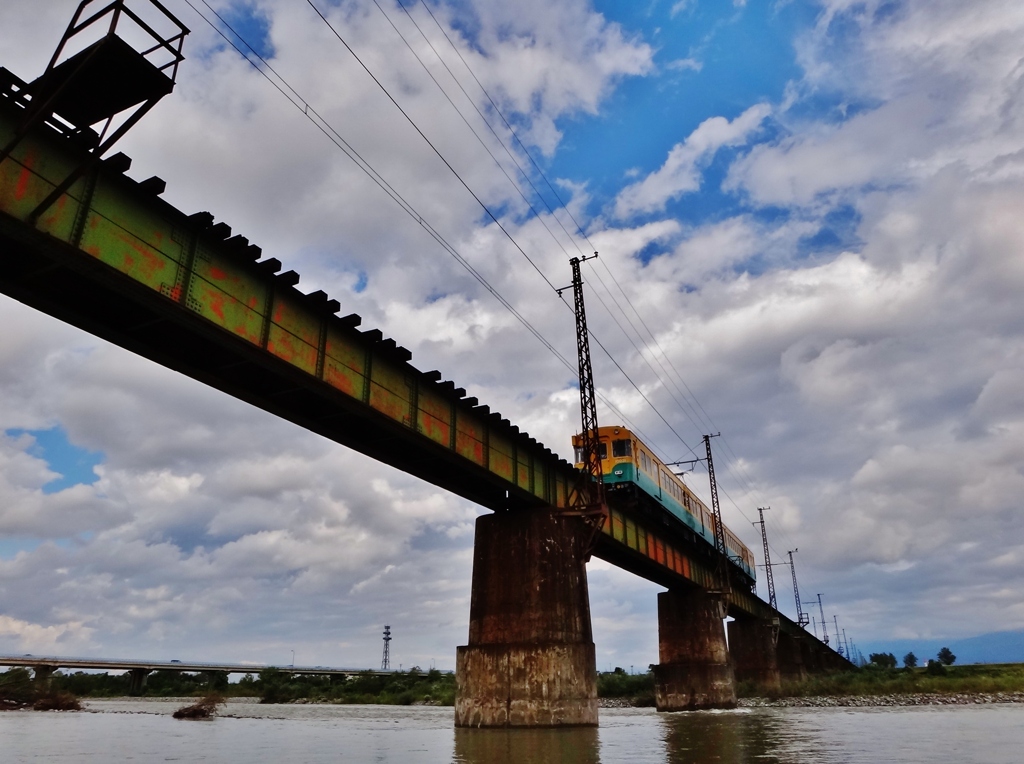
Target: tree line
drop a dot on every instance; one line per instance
(944, 658)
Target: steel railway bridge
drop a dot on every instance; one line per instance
(81, 241)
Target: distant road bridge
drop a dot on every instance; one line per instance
(138, 670)
(81, 241)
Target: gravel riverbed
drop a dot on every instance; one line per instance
(912, 699)
(857, 701)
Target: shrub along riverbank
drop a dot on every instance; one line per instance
(437, 688)
(981, 678)
(18, 690)
(271, 686)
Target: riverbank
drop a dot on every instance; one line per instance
(867, 687)
(874, 701)
(976, 680)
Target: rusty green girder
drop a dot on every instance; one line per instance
(114, 259)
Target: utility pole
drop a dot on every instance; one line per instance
(385, 663)
(801, 617)
(588, 498)
(723, 569)
(824, 628)
(590, 490)
(767, 559)
(839, 641)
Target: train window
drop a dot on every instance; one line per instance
(602, 452)
(621, 448)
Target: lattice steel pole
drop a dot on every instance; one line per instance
(590, 491)
(824, 628)
(767, 559)
(801, 617)
(716, 510)
(385, 663)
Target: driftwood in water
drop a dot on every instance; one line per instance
(204, 709)
(57, 701)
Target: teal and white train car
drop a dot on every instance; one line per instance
(626, 460)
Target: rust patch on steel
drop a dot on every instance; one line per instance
(25, 176)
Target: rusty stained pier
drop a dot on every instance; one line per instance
(110, 257)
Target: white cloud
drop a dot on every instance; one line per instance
(870, 388)
(51, 639)
(685, 64)
(681, 172)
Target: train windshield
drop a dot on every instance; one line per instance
(621, 448)
(602, 452)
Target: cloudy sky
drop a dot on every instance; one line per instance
(809, 220)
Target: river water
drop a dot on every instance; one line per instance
(143, 731)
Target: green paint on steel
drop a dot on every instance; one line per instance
(158, 247)
(155, 245)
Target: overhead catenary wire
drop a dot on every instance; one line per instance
(317, 120)
(703, 415)
(472, 129)
(430, 143)
(505, 231)
(490, 213)
(339, 141)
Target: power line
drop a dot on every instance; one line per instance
(487, 210)
(332, 134)
(483, 143)
(423, 135)
(321, 124)
(706, 420)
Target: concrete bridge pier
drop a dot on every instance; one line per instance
(695, 671)
(791, 659)
(530, 660)
(41, 675)
(753, 649)
(137, 680)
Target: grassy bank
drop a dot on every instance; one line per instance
(631, 689)
(271, 686)
(437, 688)
(873, 680)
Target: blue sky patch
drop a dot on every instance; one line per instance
(75, 465)
(247, 22)
(647, 116)
(838, 232)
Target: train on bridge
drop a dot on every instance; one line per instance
(628, 464)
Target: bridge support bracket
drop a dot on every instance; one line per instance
(530, 660)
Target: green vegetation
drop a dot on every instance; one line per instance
(936, 678)
(165, 684)
(272, 686)
(634, 689)
(882, 660)
(401, 688)
(19, 690)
